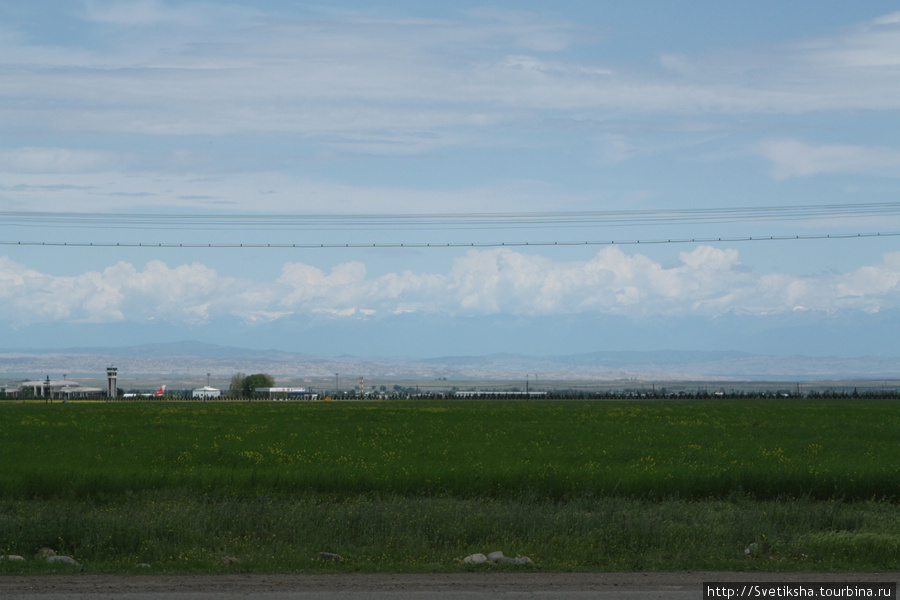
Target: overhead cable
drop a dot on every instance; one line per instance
(433, 221)
(695, 240)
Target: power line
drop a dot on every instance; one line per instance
(695, 240)
(433, 221)
(420, 222)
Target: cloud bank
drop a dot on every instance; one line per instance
(705, 281)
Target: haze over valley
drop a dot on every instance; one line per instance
(194, 359)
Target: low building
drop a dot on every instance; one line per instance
(499, 393)
(287, 392)
(206, 392)
(56, 389)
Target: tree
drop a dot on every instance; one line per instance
(258, 380)
(237, 386)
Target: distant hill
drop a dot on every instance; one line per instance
(192, 359)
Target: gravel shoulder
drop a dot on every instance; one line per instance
(440, 585)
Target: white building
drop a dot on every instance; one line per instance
(206, 392)
(287, 392)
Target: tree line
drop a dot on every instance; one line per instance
(244, 386)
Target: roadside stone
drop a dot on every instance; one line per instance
(475, 559)
(12, 557)
(329, 556)
(65, 560)
(142, 566)
(496, 557)
(45, 553)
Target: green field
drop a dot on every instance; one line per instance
(400, 486)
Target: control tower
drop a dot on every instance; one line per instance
(111, 389)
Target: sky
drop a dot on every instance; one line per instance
(430, 179)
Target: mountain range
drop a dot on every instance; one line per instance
(194, 359)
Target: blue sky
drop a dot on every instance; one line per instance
(630, 121)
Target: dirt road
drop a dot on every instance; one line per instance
(463, 586)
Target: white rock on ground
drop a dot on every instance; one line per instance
(12, 557)
(519, 560)
(66, 560)
(475, 559)
(495, 556)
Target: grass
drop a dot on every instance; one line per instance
(803, 485)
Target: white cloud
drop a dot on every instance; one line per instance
(522, 29)
(87, 182)
(706, 281)
(137, 13)
(855, 68)
(190, 293)
(55, 160)
(311, 289)
(393, 78)
(793, 158)
(408, 83)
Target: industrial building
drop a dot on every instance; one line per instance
(287, 392)
(55, 389)
(64, 389)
